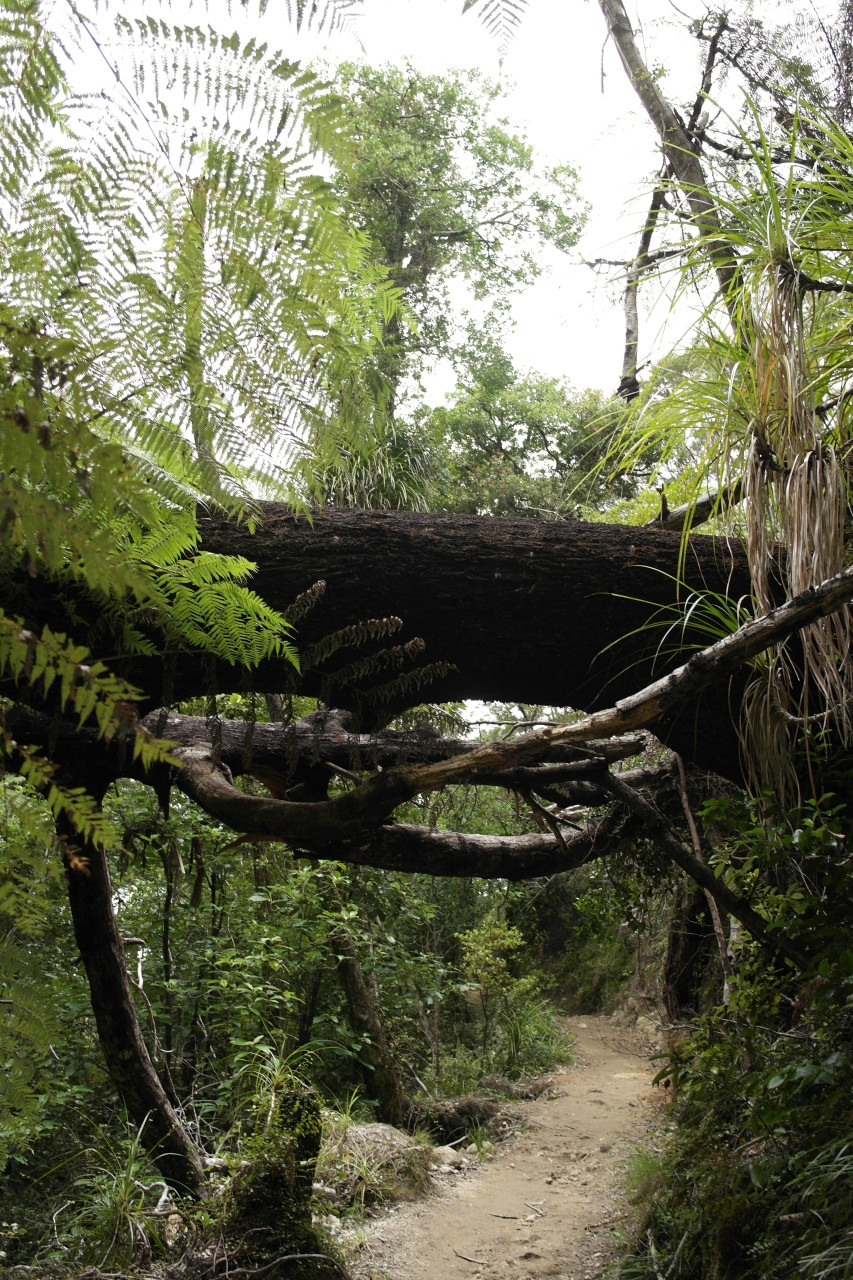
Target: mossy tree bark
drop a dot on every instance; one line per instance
(382, 1079)
(125, 1052)
(268, 1209)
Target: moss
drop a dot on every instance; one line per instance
(268, 1213)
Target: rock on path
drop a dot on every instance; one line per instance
(548, 1203)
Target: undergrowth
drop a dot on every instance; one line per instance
(756, 1181)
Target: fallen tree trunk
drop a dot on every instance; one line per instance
(553, 613)
(564, 614)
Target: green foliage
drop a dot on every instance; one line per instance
(28, 1026)
(443, 186)
(183, 301)
(392, 467)
(793, 865)
(531, 1039)
(502, 994)
(756, 1183)
(765, 405)
(526, 446)
(267, 1208)
(111, 1218)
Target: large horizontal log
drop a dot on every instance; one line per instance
(564, 614)
(553, 613)
(523, 609)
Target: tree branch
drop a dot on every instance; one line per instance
(350, 817)
(691, 514)
(708, 667)
(677, 145)
(629, 387)
(736, 906)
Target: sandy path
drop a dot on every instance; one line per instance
(548, 1203)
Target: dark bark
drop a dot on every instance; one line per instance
(125, 1052)
(523, 610)
(688, 951)
(382, 1079)
(307, 1011)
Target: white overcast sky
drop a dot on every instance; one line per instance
(569, 323)
(568, 92)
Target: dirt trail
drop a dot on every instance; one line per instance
(548, 1203)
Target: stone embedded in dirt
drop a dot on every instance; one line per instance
(525, 1089)
(447, 1156)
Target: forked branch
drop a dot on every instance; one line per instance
(349, 818)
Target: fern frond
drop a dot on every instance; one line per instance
(499, 17)
(87, 689)
(375, 663)
(348, 637)
(406, 683)
(305, 602)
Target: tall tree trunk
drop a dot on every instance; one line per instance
(384, 1080)
(126, 1055)
(678, 147)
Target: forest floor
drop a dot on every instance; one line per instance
(550, 1201)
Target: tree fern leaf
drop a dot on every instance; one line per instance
(358, 633)
(499, 17)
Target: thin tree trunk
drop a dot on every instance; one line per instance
(677, 144)
(384, 1080)
(686, 944)
(716, 915)
(308, 1011)
(629, 386)
(365, 1019)
(125, 1053)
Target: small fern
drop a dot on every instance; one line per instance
(406, 683)
(27, 1027)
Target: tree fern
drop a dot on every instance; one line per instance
(183, 300)
(499, 17)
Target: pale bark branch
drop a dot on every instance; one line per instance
(629, 387)
(691, 514)
(641, 710)
(716, 917)
(677, 145)
(351, 818)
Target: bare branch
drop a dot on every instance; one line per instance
(691, 514)
(629, 387)
(350, 817)
(640, 710)
(677, 145)
(703, 876)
